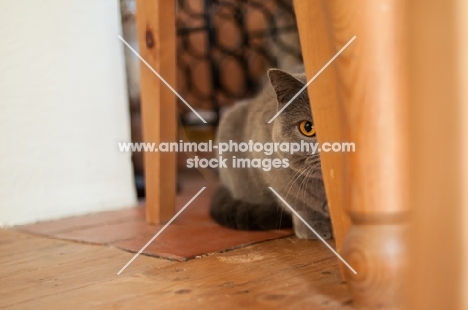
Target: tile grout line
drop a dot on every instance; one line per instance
(161, 230)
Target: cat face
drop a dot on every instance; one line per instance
(295, 123)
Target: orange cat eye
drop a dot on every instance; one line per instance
(306, 128)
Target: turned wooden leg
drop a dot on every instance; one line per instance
(378, 253)
(374, 80)
(362, 98)
(439, 198)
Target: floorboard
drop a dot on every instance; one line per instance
(42, 273)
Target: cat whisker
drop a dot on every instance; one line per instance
(304, 171)
(307, 178)
(289, 181)
(302, 182)
(298, 160)
(298, 176)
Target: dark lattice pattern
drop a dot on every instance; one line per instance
(225, 47)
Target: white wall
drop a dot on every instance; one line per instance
(63, 108)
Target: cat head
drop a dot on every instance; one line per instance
(295, 123)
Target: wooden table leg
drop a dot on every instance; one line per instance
(157, 42)
(362, 98)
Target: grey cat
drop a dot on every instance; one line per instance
(244, 201)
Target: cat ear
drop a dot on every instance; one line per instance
(285, 85)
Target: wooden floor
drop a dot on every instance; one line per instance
(43, 273)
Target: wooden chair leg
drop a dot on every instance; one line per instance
(438, 68)
(157, 43)
(362, 98)
(374, 84)
(317, 49)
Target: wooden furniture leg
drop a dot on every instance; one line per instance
(157, 43)
(438, 66)
(362, 98)
(317, 49)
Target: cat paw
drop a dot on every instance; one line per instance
(323, 228)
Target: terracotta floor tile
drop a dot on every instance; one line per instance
(110, 233)
(192, 233)
(182, 242)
